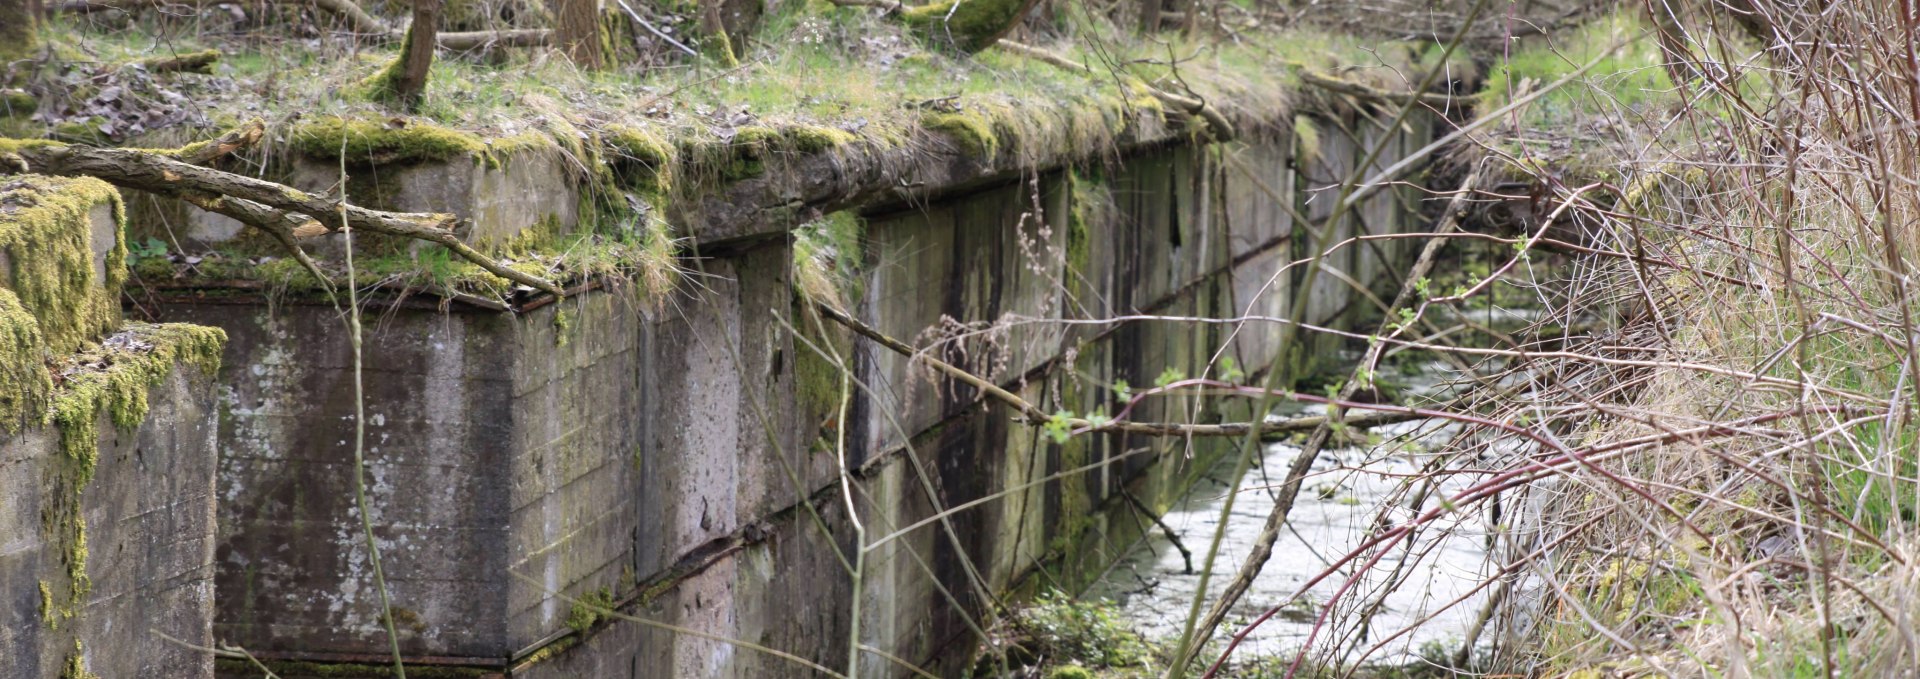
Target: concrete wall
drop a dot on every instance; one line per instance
(651, 448)
(106, 453)
(495, 446)
(149, 542)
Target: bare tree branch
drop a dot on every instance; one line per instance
(1034, 415)
(1222, 128)
(1371, 93)
(269, 206)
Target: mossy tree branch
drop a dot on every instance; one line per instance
(283, 212)
(189, 62)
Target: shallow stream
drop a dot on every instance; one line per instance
(1350, 490)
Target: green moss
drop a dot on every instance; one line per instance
(370, 141)
(816, 379)
(1090, 205)
(562, 327)
(640, 159)
(718, 47)
(643, 255)
(590, 609)
(46, 231)
(547, 652)
(17, 103)
(14, 145)
(141, 357)
(81, 131)
(24, 379)
(1070, 672)
(19, 31)
(76, 665)
(966, 25)
(814, 138)
(729, 160)
(973, 131)
(384, 84)
(1306, 140)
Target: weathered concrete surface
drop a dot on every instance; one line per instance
(106, 452)
(149, 542)
(495, 448)
(654, 453)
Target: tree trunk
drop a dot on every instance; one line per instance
(714, 39)
(577, 31)
(19, 19)
(416, 54)
(1150, 15)
(1671, 36)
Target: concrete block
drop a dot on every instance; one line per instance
(147, 544)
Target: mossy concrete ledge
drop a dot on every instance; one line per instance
(601, 448)
(500, 186)
(61, 254)
(107, 460)
(106, 535)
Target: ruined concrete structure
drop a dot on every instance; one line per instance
(656, 451)
(107, 461)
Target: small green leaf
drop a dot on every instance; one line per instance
(1169, 376)
(1122, 390)
(1060, 427)
(1230, 370)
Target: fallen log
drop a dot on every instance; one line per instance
(281, 211)
(1367, 92)
(358, 20)
(191, 62)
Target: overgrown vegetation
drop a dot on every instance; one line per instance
(1697, 460)
(1744, 508)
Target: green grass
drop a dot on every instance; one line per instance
(833, 68)
(1631, 76)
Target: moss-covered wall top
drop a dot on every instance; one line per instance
(47, 237)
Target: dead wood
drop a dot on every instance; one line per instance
(191, 62)
(1222, 129)
(466, 41)
(281, 211)
(1372, 94)
(1032, 414)
(363, 24)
